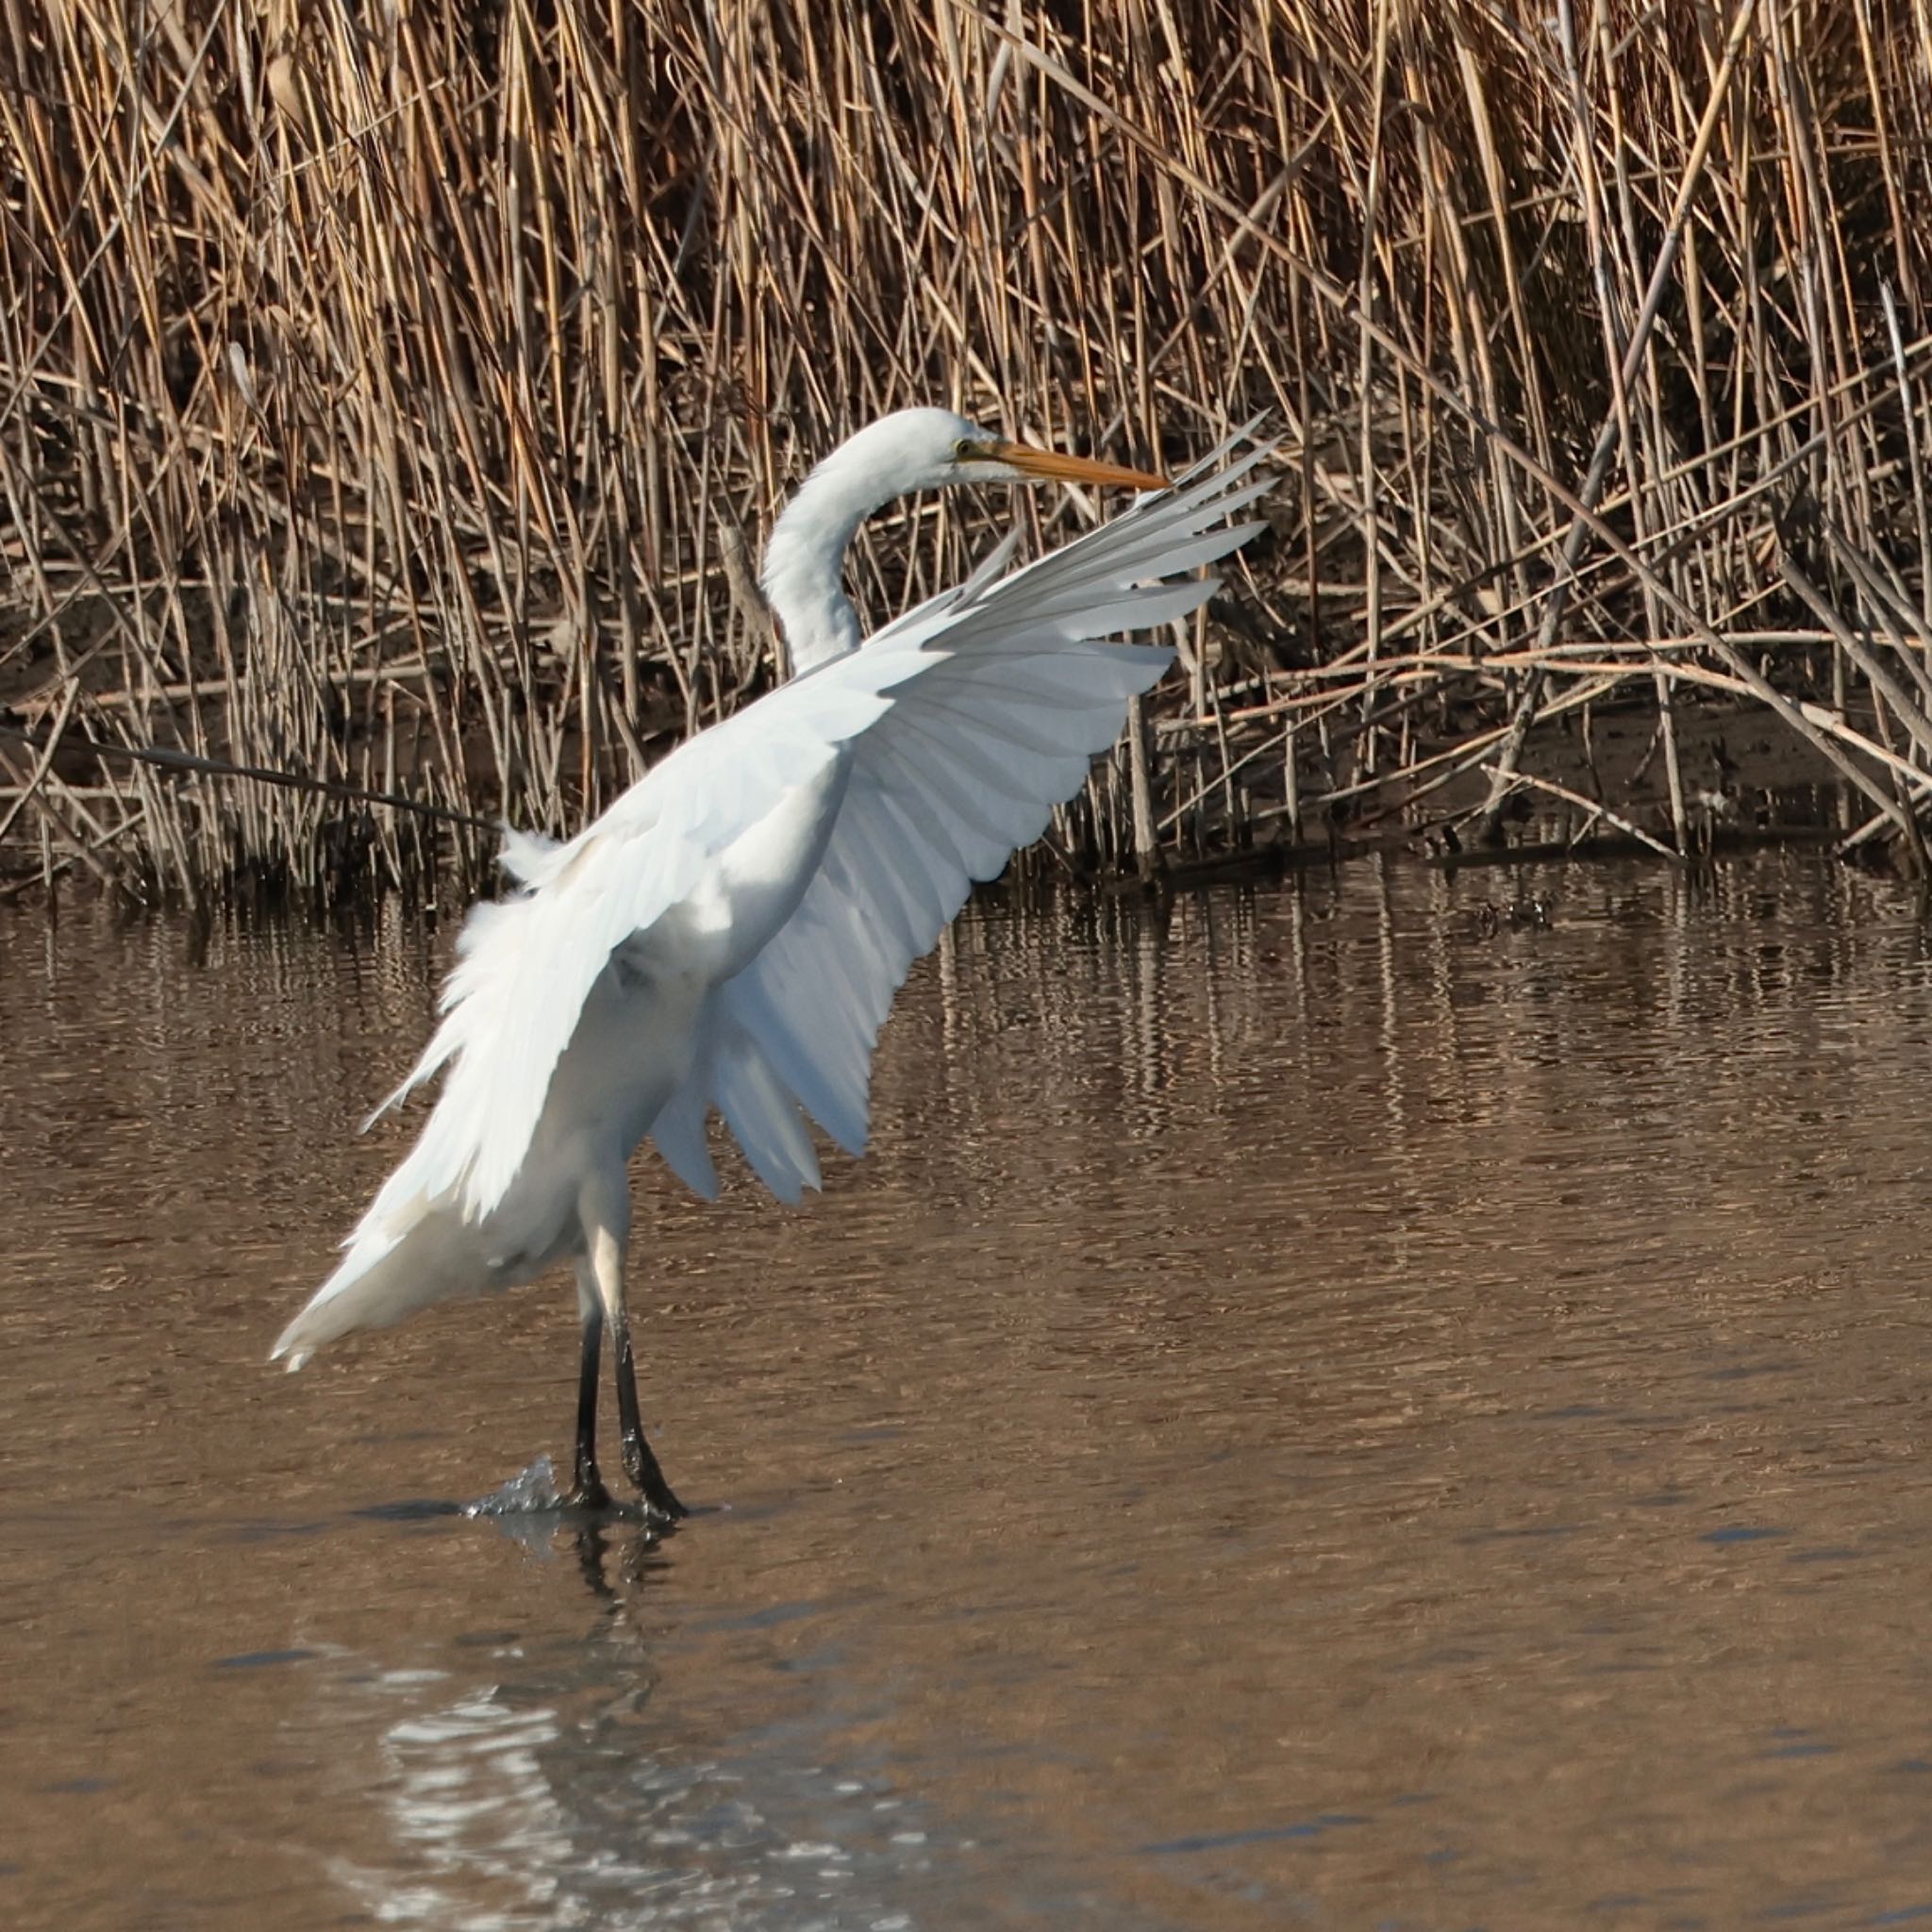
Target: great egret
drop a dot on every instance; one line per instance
(730, 933)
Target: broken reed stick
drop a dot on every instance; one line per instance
(166, 758)
(1592, 807)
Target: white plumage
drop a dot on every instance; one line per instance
(729, 935)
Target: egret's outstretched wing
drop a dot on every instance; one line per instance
(998, 698)
(968, 718)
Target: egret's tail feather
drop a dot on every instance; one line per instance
(385, 1277)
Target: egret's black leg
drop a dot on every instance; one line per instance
(639, 1462)
(587, 1491)
(604, 1213)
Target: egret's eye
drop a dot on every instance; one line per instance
(968, 450)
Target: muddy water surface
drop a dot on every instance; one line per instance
(1316, 1413)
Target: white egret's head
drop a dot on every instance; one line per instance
(927, 449)
(910, 449)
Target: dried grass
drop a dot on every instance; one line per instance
(391, 400)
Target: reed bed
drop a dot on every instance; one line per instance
(391, 401)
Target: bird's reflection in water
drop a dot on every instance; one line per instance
(617, 1552)
(616, 1557)
(550, 1793)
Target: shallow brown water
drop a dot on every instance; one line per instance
(1314, 1413)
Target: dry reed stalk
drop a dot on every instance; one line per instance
(387, 399)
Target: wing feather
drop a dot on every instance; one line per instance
(679, 1132)
(762, 1114)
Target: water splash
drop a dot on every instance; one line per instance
(531, 1491)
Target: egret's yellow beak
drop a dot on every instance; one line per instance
(1049, 464)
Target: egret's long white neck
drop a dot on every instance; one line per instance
(802, 576)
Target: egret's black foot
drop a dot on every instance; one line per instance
(588, 1492)
(660, 1501)
(661, 1505)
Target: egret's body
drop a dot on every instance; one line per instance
(729, 934)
